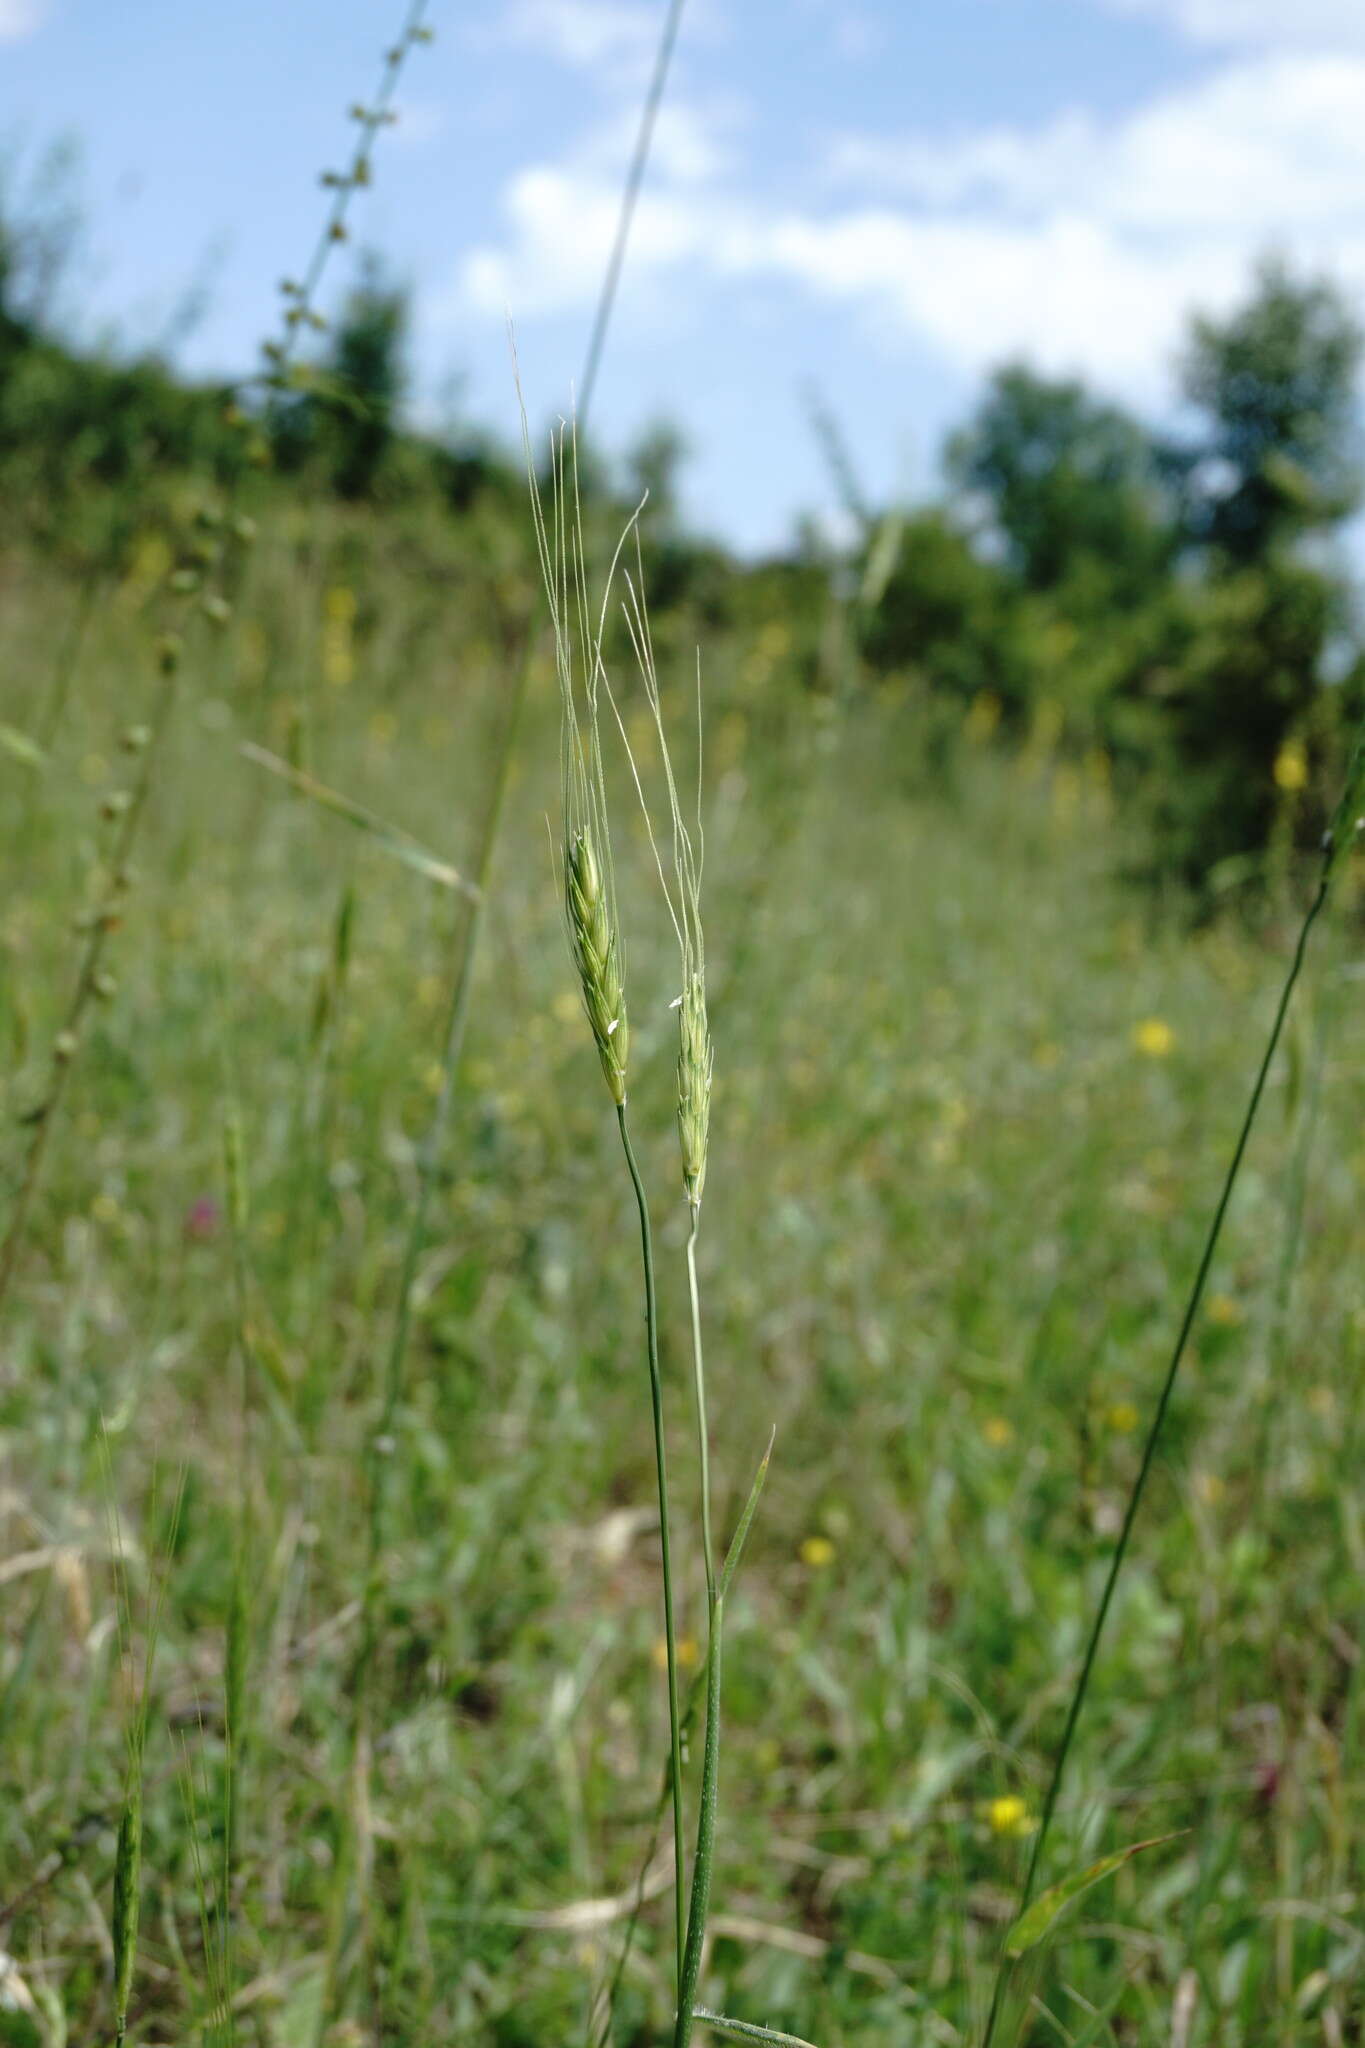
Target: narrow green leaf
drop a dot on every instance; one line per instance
(745, 2030)
(21, 747)
(400, 844)
(1037, 1923)
(731, 1564)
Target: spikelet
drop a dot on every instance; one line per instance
(590, 916)
(597, 955)
(696, 1055)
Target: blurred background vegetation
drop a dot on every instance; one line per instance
(1178, 600)
(1010, 801)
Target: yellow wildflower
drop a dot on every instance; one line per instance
(1224, 1311)
(817, 1552)
(1291, 767)
(1009, 1815)
(998, 1431)
(1122, 1416)
(338, 650)
(688, 1653)
(1153, 1037)
(983, 716)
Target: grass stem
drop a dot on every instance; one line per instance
(665, 1547)
(699, 1380)
(1196, 1295)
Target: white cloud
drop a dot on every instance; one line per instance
(612, 39)
(1292, 24)
(1272, 146)
(19, 18)
(1082, 246)
(690, 145)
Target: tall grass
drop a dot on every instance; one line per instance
(433, 1663)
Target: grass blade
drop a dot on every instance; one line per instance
(1034, 1925)
(736, 1550)
(400, 844)
(21, 748)
(746, 2030)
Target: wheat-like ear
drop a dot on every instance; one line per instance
(696, 1054)
(587, 872)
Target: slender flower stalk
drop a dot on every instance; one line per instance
(592, 927)
(696, 1061)
(1345, 829)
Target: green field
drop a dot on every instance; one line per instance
(974, 1097)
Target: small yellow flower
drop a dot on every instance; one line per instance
(1224, 1311)
(1153, 1037)
(688, 1653)
(433, 1077)
(983, 716)
(1008, 1815)
(816, 1552)
(997, 1431)
(1291, 767)
(1209, 1488)
(105, 1209)
(1122, 1417)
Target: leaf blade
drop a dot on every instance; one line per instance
(1035, 1924)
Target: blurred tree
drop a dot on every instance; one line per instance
(1072, 486)
(944, 614)
(1279, 457)
(1236, 676)
(40, 231)
(367, 367)
(343, 417)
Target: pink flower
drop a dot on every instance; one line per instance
(202, 1219)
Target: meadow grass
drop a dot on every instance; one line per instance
(966, 1135)
(393, 1776)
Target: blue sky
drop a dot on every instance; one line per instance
(882, 198)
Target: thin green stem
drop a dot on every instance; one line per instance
(656, 1396)
(601, 2018)
(630, 195)
(699, 1379)
(706, 1837)
(1187, 1321)
(103, 922)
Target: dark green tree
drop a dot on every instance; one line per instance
(342, 415)
(1072, 487)
(944, 614)
(1279, 457)
(366, 369)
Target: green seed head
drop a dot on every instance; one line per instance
(597, 955)
(695, 1058)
